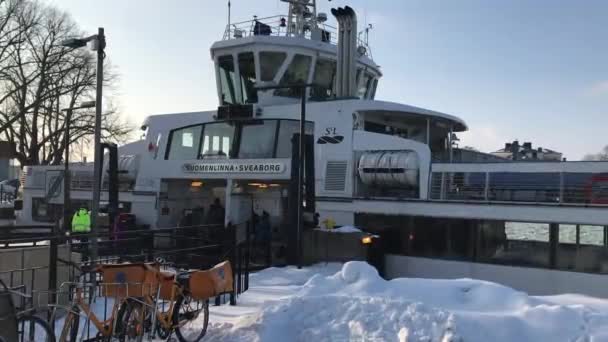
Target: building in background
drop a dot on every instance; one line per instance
(525, 151)
(9, 167)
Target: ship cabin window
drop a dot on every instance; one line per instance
(364, 85)
(297, 72)
(227, 79)
(184, 143)
(324, 79)
(217, 139)
(375, 127)
(251, 139)
(270, 63)
(247, 75)
(257, 139)
(372, 93)
(286, 131)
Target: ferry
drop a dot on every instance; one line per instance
(388, 168)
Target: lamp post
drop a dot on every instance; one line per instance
(66, 171)
(98, 42)
(302, 87)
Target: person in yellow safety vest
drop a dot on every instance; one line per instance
(329, 223)
(81, 222)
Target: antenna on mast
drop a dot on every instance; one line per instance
(228, 13)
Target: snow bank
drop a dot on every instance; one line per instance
(355, 303)
(343, 229)
(284, 276)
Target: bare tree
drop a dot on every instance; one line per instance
(39, 78)
(603, 155)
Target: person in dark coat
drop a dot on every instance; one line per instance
(216, 213)
(264, 236)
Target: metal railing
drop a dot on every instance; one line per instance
(277, 28)
(568, 183)
(199, 247)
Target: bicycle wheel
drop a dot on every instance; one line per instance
(33, 328)
(130, 322)
(190, 318)
(69, 333)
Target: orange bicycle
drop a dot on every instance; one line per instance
(181, 304)
(121, 283)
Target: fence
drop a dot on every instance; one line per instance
(277, 26)
(573, 183)
(42, 268)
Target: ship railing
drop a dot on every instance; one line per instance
(276, 26)
(559, 183)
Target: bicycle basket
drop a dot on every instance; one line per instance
(129, 280)
(212, 282)
(167, 284)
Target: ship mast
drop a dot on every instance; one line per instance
(302, 16)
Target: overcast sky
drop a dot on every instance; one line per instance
(529, 70)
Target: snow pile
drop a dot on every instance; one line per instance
(343, 229)
(355, 303)
(284, 276)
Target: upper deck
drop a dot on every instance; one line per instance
(276, 26)
(297, 48)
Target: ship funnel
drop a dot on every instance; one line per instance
(347, 51)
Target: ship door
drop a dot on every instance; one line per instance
(264, 204)
(186, 202)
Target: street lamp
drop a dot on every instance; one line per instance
(98, 43)
(66, 172)
(302, 87)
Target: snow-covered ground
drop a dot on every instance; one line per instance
(352, 303)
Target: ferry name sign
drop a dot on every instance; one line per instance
(235, 167)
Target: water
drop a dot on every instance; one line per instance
(589, 235)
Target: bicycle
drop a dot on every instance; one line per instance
(21, 325)
(187, 294)
(120, 282)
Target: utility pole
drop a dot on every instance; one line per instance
(302, 87)
(101, 44)
(67, 176)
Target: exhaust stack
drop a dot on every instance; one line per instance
(347, 51)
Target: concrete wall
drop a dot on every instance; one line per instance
(534, 281)
(31, 265)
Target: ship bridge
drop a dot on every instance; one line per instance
(300, 47)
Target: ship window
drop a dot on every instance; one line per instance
(324, 79)
(257, 139)
(247, 71)
(286, 131)
(373, 90)
(297, 72)
(364, 85)
(369, 87)
(184, 143)
(217, 140)
(227, 79)
(270, 63)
